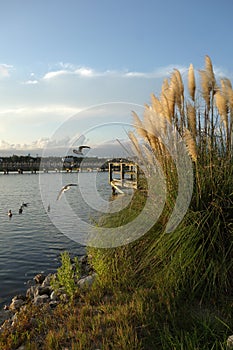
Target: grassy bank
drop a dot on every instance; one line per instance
(165, 290)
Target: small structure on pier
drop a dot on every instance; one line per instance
(123, 175)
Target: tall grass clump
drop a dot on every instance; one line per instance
(197, 257)
(66, 275)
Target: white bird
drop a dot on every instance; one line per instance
(79, 151)
(64, 189)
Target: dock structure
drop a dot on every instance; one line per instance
(123, 175)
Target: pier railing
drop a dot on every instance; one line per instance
(123, 175)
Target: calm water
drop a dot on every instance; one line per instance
(30, 243)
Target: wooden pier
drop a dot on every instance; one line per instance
(123, 175)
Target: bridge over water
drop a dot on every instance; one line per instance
(35, 164)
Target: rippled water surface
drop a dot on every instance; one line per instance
(30, 243)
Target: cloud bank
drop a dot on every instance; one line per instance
(32, 109)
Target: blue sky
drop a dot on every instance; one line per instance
(75, 57)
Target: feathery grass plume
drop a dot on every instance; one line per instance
(156, 104)
(230, 100)
(149, 155)
(210, 71)
(165, 86)
(155, 123)
(226, 86)
(205, 88)
(181, 88)
(221, 104)
(139, 126)
(176, 88)
(180, 82)
(153, 141)
(191, 144)
(192, 122)
(135, 143)
(165, 105)
(191, 82)
(170, 94)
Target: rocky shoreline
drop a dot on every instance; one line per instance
(42, 291)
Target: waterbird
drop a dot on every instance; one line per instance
(21, 209)
(64, 189)
(10, 213)
(79, 150)
(24, 204)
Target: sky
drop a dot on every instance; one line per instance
(72, 71)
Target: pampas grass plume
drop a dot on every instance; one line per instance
(221, 104)
(139, 126)
(210, 71)
(191, 112)
(191, 144)
(191, 82)
(205, 87)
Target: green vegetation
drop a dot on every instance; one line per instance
(165, 290)
(66, 275)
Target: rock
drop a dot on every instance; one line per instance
(86, 268)
(83, 260)
(19, 296)
(39, 278)
(53, 296)
(31, 292)
(22, 347)
(43, 290)
(230, 342)
(16, 304)
(5, 315)
(47, 280)
(53, 304)
(41, 299)
(87, 281)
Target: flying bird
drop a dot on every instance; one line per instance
(79, 150)
(64, 189)
(24, 204)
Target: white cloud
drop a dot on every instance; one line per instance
(85, 72)
(5, 70)
(55, 74)
(48, 109)
(37, 107)
(68, 69)
(31, 82)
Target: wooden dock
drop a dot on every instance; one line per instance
(123, 175)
